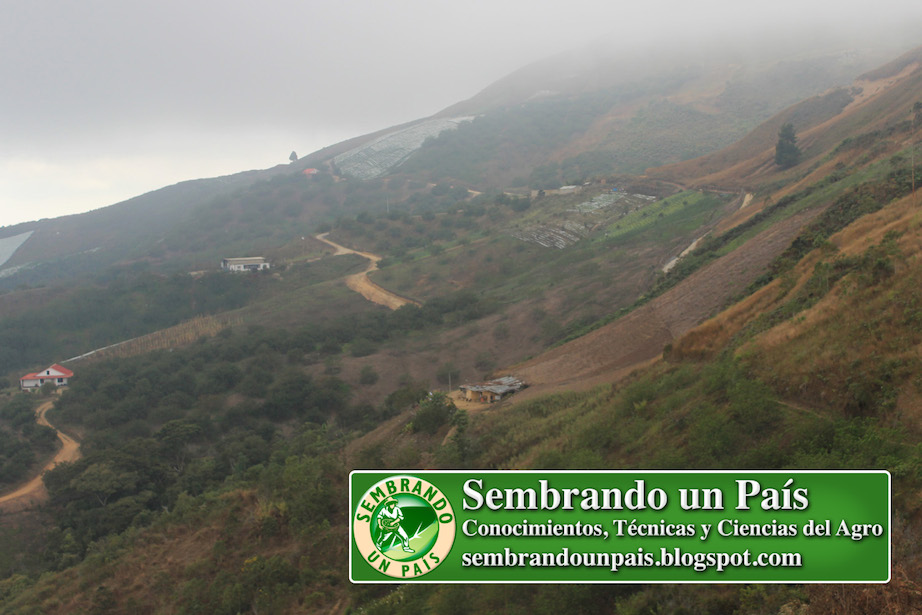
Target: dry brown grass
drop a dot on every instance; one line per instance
(149, 576)
(861, 333)
(750, 161)
(901, 596)
(712, 336)
(180, 335)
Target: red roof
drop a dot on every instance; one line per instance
(65, 373)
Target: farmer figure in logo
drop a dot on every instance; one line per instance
(389, 519)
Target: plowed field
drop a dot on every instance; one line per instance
(616, 349)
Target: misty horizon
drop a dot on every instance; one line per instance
(103, 108)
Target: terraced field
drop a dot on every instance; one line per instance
(617, 348)
(584, 218)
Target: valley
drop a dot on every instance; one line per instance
(216, 442)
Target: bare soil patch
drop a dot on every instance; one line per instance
(617, 348)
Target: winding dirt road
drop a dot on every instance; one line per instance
(360, 283)
(33, 491)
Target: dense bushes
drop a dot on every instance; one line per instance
(22, 440)
(164, 423)
(169, 422)
(95, 316)
(433, 412)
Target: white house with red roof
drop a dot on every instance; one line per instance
(56, 374)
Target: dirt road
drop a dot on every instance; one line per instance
(360, 283)
(33, 491)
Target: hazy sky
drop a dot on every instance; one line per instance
(102, 100)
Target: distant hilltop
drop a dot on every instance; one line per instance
(377, 157)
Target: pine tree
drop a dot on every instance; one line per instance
(787, 154)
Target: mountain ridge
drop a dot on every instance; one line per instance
(583, 148)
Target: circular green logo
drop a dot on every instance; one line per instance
(404, 526)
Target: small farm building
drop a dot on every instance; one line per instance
(492, 391)
(56, 374)
(245, 263)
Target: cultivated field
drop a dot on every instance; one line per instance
(640, 336)
(180, 335)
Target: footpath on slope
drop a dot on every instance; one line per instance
(33, 491)
(360, 283)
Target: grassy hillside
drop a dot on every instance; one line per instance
(720, 398)
(72, 246)
(585, 114)
(875, 110)
(788, 338)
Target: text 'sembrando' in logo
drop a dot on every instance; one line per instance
(404, 527)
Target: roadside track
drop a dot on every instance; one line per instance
(33, 491)
(360, 283)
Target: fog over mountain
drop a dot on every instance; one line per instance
(106, 100)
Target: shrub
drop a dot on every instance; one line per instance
(368, 375)
(433, 412)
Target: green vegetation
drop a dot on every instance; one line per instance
(854, 194)
(127, 306)
(678, 214)
(516, 145)
(433, 412)
(211, 473)
(226, 529)
(787, 154)
(872, 267)
(22, 440)
(162, 424)
(865, 198)
(470, 152)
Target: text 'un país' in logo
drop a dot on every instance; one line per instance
(404, 527)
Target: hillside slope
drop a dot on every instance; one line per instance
(74, 245)
(563, 120)
(876, 104)
(789, 338)
(747, 389)
(612, 351)
(881, 114)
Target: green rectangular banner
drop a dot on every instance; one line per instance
(478, 526)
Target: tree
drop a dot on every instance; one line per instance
(368, 375)
(102, 480)
(174, 437)
(787, 154)
(433, 412)
(293, 156)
